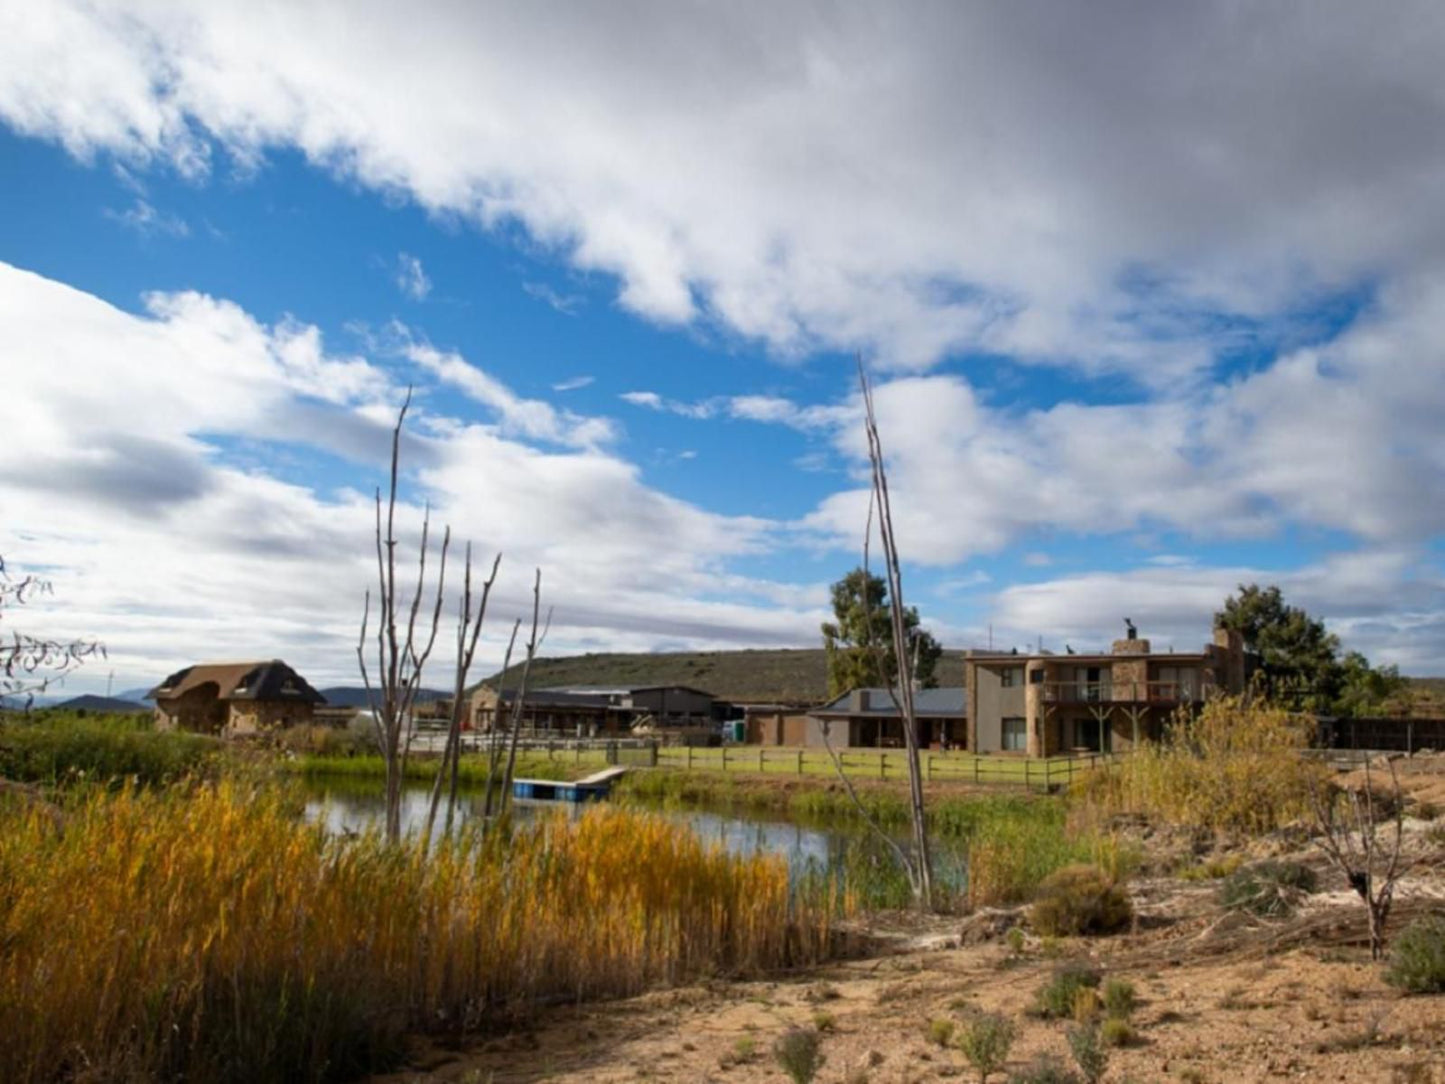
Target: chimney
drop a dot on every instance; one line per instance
(859, 700)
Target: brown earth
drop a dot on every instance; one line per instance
(1223, 997)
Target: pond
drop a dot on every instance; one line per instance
(835, 848)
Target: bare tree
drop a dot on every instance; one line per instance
(521, 697)
(1346, 818)
(918, 867)
(469, 629)
(401, 655)
(494, 749)
(922, 875)
(31, 664)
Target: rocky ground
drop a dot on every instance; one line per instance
(1222, 997)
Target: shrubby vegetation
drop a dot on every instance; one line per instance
(59, 748)
(1079, 900)
(1237, 767)
(1269, 889)
(1417, 957)
(218, 937)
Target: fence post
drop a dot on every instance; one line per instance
(1410, 738)
(928, 766)
(689, 758)
(725, 758)
(656, 752)
(800, 762)
(760, 760)
(975, 769)
(1027, 765)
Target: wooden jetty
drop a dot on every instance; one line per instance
(592, 789)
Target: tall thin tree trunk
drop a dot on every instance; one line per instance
(522, 688)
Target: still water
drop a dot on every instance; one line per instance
(808, 847)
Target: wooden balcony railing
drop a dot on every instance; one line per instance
(1125, 692)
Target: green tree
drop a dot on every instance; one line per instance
(1297, 653)
(859, 640)
(1301, 658)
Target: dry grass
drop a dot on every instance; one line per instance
(208, 933)
(1238, 767)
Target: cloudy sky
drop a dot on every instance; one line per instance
(1154, 296)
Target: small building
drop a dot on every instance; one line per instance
(872, 719)
(776, 724)
(588, 711)
(1046, 704)
(234, 698)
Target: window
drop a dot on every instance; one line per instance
(1036, 677)
(1012, 677)
(1015, 735)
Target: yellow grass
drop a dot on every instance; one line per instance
(209, 934)
(1237, 767)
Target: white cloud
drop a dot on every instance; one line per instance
(573, 383)
(1092, 185)
(566, 304)
(147, 221)
(150, 498)
(411, 277)
(1386, 603)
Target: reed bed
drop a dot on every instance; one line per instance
(207, 933)
(1239, 767)
(58, 748)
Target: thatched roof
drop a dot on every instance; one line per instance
(269, 679)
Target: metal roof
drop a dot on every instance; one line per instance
(946, 701)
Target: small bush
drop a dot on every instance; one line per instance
(1044, 1069)
(1269, 889)
(1080, 900)
(986, 1041)
(1116, 1031)
(1090, 1054)
(940, 1031)
(1057, 997)
(799, 1053)
(1212, 870)
(1119, 999)
(1425, 811)
(1417, 957)
(1086, 1006)
(824, 1021)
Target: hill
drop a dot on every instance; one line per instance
(783, 675)
(99, 704)
(354, 696)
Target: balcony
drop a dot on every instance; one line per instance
(1125, 692)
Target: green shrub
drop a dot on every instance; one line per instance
(1119, 999)
(1044, 1069)
(798, 1052)
(1116, 1031)
(66, 748)
(1425, 811)
(1090, 1054)
(985, 1042)
(1213, 869)
(940, 1031)
(1417, 957)
(1268, 889)
(1080, 900)
(1058, 996)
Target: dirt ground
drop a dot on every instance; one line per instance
(1222, 997)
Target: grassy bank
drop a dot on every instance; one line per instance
(55, 748)
(471, 770)
(1009, 843)
(217, 937)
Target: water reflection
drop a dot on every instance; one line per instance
(809, 848)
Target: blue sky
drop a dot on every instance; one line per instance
(1148, 314)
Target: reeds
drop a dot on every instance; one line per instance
(59, 748)
(207, 933)
(1238, 767)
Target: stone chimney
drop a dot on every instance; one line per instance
(859, 700)
(1131, 646)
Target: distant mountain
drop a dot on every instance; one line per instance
(782, 675)
(138, 695)
(354, 696)
(99, 704)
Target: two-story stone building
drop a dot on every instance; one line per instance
(1046, 704)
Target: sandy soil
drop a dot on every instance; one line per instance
(1222, 998)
